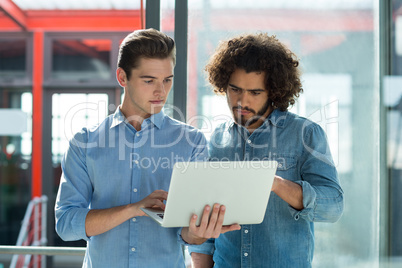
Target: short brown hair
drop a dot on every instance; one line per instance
(148, 43)
(258, 53)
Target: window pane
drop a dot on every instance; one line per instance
(72, 112)
(81, 59)
(12, 58)
(336, 44)
(15, 165)
(393, 102)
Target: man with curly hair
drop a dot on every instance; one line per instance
(261, 79)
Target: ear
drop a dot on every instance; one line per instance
(121, 77)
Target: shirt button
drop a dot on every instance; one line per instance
(248, 141)
(246, 231)
(280, 165)
(135, 190)
(134, 219)
(133, 249)
(138, 134)
(245, 254)
(136, 162)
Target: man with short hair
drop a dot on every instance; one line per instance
(112, 170)
(261, 79)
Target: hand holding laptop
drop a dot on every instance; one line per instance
(243, 187)
(211, 225)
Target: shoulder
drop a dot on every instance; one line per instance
(92, 133)
(301, 123)
(173, 125)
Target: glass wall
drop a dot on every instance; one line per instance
(392, 86)
(15, 133)
(337, 46)
(15, 160)
(81, 59)
(13, 57)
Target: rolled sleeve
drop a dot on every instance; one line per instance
(322, 193)
(309, 204)
(208, 247)
(180, 238)
(75, 191)
(71, 225)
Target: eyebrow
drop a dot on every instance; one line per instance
(153, 77)
(254, 89)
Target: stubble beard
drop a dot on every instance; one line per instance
(241, 120)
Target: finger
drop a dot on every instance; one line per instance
(154, 203)
(192, 225)
(161, 194)
(213, 220)
(163, 205)
(229, 228)
(219, 221)
(204, 219)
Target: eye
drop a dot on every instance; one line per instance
(148, 81)
(167, 80)
(255, 93)
(235, 89)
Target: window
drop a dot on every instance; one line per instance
(392, 98)
(72, 112)
(81, 59)
(15, 59)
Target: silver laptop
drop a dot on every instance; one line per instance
(242, 186)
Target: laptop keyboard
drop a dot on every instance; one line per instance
(160, 215)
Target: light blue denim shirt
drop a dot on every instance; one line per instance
(111, 165)
(286, 236)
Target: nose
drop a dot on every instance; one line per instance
(242, 99)
(160, 89)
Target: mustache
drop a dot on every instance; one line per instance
(243, 108)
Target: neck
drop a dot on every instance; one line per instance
(251, 128)
(135, 119)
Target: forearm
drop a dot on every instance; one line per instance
(290, 192)
(200, 260)
(99, 221)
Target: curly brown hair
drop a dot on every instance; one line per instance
(258, 53)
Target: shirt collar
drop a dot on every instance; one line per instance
(277, 118)
(118, 118)
(156, 119)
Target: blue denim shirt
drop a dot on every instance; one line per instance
(112, 165)
(286, 236)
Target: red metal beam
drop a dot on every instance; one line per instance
(94, 20)
(13, 12)
(77, 20)
(37, 113)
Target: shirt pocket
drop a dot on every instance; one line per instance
(286, 164)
